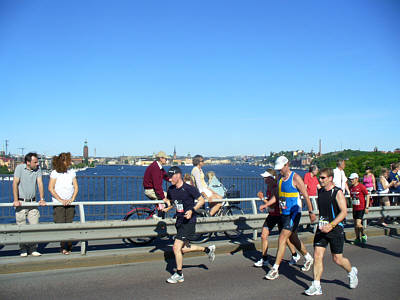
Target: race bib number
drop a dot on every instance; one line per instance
(322, 222)
(179, 207)
(161, 206)
(282, 203)
(356, 201)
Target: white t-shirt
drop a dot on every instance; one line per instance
(339, 179)
(64, 184)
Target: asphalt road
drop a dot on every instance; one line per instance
(229, 277)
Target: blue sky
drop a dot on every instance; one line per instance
(211, 77)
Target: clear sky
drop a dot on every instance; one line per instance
(211, 77)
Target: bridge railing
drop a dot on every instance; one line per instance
(100, 230)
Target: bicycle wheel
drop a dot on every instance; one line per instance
(142, 213)
(233, 211)
(200, 238)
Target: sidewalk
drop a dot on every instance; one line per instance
(112, 252)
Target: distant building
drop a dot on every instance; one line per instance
(174, 158)
(85, 151)
(397, 150)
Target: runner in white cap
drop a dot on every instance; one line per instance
(273, 219)
(289, 187)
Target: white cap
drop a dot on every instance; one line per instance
(353, 175)
(280, 162)
(266, 174)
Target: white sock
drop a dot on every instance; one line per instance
(275, 267)
(308, 256)
(317, 283)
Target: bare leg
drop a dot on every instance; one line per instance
(264, 241)
(318, 265)
(342, 262)
(283, 238)
(214, 206)
(178, 245)
(294, 238)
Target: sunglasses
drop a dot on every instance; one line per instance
(322, 177)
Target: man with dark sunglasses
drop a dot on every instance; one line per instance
(332, 211)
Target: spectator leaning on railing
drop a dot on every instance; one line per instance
(63, 186)
(26, 176)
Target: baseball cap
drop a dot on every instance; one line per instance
(266, 174)
(353, 175)
(161, 154)
(174, 170)
(280, 162)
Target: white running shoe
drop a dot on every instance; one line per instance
(35, 253)
(353, 279)
(307, 265)
(211, 254)
(176, 278)
(294, 260)
(272, 274)
(24, 254)
(313, 290)
(261, 263)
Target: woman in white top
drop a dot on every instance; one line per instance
(63, 186)
(200, 183)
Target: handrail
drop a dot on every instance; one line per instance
(143, 202)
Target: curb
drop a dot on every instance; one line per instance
(125, 257)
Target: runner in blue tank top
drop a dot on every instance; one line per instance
(290, 203)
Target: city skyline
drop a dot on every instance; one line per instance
(214, 78)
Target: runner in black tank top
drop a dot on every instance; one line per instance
(332, 211)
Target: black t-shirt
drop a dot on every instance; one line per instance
(328, 207)
(183, 198)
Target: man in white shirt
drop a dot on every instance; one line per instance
(339, 177)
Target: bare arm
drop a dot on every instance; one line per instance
(374, 181)
(76, 190)
(52, 184)
(15, 191)
(39, 180)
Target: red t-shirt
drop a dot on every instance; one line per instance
(274, 209)
(312, 184)
(358, 194)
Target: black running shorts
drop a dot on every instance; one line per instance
(272, 221)
(185, 232)
(335, 239)
(358, 214)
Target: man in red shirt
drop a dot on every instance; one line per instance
(358, 193)
(311, 181)
(153, 180)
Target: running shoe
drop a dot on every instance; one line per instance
(24, 254)
(272, 274)
(313, 290)
(211, 254)
(35, 253)
(356, 241)
(294, 259)
(176, 278)
(364, 239)
(307, 265)
(261, 263)
(353, 279)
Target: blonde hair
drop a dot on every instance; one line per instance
(210, 175)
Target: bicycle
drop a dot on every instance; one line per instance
(227, 209)
(142, 213)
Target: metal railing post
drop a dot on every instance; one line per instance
(83, 220)
(105, 198)
(254, 206)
